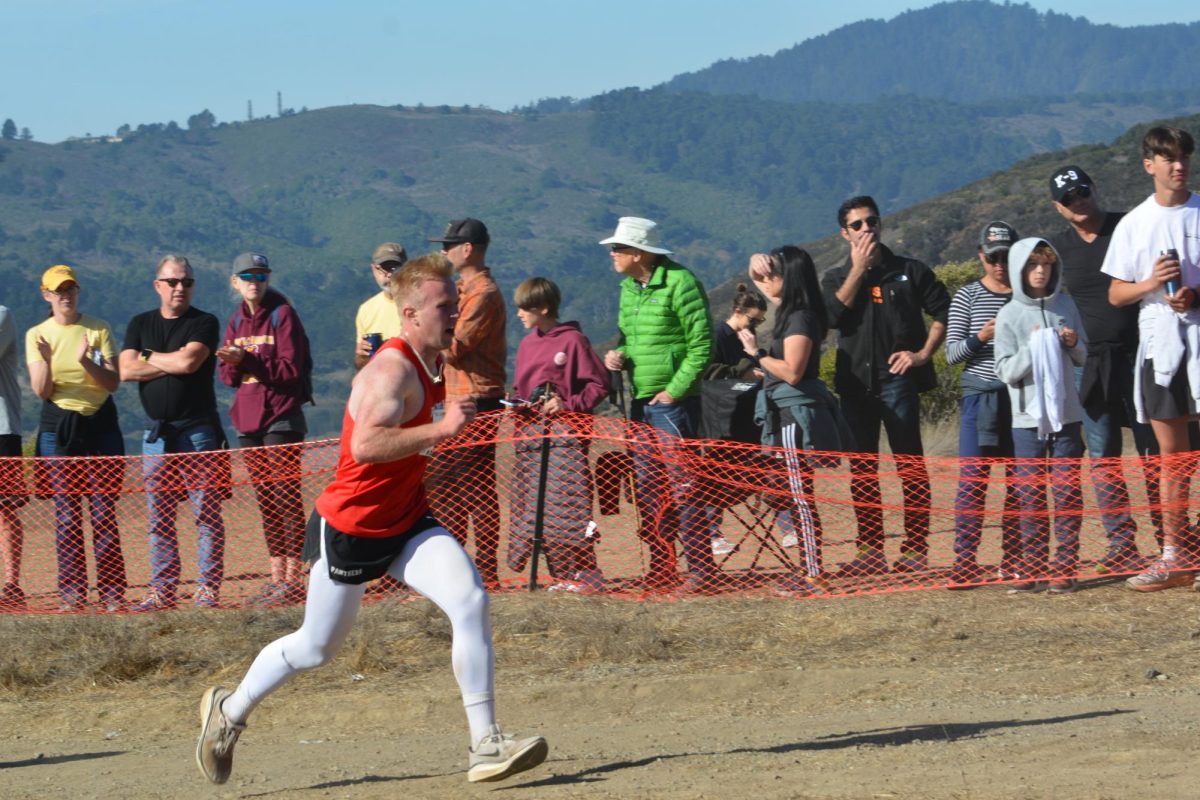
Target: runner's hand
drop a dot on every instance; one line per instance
(459, 414)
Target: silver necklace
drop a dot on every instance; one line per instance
(433, 377)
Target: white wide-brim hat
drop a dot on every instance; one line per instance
(638, 233)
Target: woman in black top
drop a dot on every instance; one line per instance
(748, 312)
(796, 398)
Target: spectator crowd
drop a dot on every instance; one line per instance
(1066, 339)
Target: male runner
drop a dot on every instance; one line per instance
(373, 519)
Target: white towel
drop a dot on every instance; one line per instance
(1046, 357)
(1174, 338)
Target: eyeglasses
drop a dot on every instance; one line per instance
(251, 277)
(871, 222)
(390, 266)
(173, 282)
(999, 257)
(1078, 193)
(621, 248)
(63, 291)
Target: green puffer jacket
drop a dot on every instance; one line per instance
(666, 332)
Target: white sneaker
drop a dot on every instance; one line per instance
(791, 540)
(498, 755)
(722, 546)
(1160, 575)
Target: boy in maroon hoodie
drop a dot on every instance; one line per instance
(556, 371)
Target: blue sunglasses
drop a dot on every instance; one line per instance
(254, 276)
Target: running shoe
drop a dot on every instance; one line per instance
(791, 540)
(1063, 586)
(153, 601)
(207, 597)
(214, 751)
(498, 755)
(1026, 587)
(1161, 575)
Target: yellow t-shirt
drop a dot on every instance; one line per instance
(74, 388)
(377, 315)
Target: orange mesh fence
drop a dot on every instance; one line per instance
(584, 504)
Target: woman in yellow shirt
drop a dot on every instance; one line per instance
(72, 368)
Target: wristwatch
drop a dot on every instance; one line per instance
(145, 354)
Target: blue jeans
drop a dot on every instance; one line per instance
(165, 478)
(1104, 441)
(99, 481)
(973, 486)
(898, 408)
(675, 421)
(1058, 458)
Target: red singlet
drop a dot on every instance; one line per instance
(376, 500)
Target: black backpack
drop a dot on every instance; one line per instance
(727, 410)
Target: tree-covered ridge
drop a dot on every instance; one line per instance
(969, 51)
(803, 160)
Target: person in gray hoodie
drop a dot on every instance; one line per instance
(1039, 339)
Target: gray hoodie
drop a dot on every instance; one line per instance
(1014, 325)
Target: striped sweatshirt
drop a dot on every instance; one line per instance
(973, 305)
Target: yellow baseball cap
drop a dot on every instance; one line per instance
(56, 276)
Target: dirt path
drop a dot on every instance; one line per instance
(925, 695)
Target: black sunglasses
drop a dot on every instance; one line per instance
(390, 266)
(173, 282)
(999, 257)
(871, 222)
(621, 248)
(1078, 193)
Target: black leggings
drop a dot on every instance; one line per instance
(276, 476)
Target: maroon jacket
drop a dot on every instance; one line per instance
(268, 380)
(563, 356)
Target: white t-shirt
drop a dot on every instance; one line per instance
(1139, 239)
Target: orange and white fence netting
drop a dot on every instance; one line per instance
(586, 504)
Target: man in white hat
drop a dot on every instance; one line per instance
(665, 345)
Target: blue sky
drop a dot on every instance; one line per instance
(71, 67)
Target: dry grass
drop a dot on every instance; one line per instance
(544, 636)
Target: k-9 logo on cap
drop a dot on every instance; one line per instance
(1060, 180)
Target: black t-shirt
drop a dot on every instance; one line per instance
(799, 323)
(1088, 286)
(728, 349)
(183, 400)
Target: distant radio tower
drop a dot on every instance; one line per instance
(279, 104)
(249, 111)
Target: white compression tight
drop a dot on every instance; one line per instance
(432, 563)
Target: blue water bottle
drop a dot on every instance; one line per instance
(1173, 284)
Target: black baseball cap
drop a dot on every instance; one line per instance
(997, 235)
(1067, 178)
(464, 230)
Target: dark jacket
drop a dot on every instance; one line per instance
(269, 378)
(887, 317)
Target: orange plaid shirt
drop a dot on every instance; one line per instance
(476, 358)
